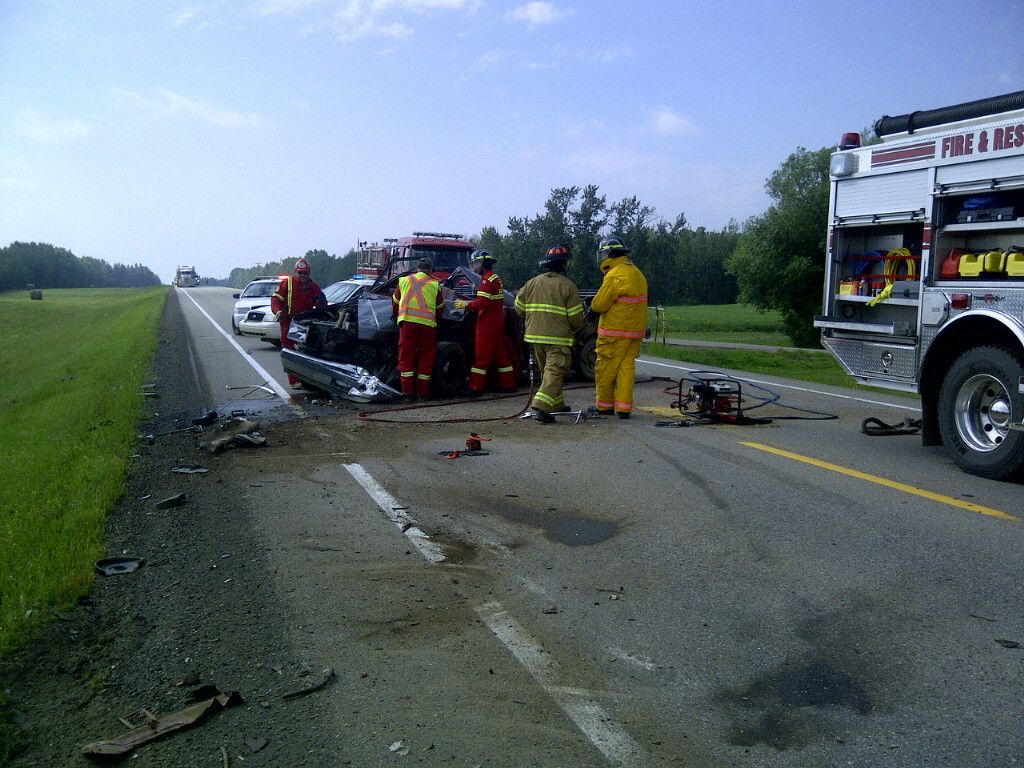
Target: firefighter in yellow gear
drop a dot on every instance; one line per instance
(622, 303)
(550, 305)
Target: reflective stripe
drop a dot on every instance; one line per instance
(503, 370)
(620, 407)
(413, 290)
(552, 309)
(486, 295)
(558, 341)
(605, 405)
(481, 371)
(407, 374)
(642, 299)
(423, 376)
(548, 399)
(616, 334)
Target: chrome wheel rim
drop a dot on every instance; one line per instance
(983, 412)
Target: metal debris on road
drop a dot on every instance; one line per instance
(191, 469)
(398, 747)
(126, 742)
(171, 501)
(328, 676)
(256, 743)
(115, 566)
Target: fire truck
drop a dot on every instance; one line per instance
(394, 255)
(924, 278)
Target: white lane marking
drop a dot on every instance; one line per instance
(613, 742)
(617, 745)
(395, 512)
(789, 386)
(271, 381)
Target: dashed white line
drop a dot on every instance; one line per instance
(395, 512)
(614, 743)
(578, 704)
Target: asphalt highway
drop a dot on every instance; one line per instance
(794, 593)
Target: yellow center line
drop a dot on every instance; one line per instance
(883, 481)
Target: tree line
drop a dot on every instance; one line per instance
(772, 261)
(42, 265)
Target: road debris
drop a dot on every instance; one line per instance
(191, 469)
(399, 748)
(126, 742)
(327, 677)
(238, 431)
(171, 501)
(115, 566)
(1008, 643)
(256, 743)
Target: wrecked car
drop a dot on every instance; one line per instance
(350, 349)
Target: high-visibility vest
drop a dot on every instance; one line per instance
(418, 299)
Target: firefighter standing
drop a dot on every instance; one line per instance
(622, 303)
(295, 295)
(490, 345)
(550, 305)
(417, 304)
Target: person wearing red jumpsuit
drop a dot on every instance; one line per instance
(295, 294)
(417, 304)
(491, 345)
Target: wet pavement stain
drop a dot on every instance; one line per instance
(793, 701)
(573, 530)
(578, 531)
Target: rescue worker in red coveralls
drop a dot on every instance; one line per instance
(550, 305)
(295, 295)
(491, 344)
(622, 303)
(417, 304)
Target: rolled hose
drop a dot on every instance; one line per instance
(893, 259)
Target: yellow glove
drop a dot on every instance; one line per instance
(461, 304)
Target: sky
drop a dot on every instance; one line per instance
(229, 134)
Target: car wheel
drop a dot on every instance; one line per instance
(449, 369)
(979, 400)
(234, 327)
(585, 359)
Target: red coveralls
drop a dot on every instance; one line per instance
(491, 344)
(417, 304)
(292, 298)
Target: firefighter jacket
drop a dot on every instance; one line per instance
(417, 299)
(292, 299)
(550, 304)
(622, 300)
(489, 303)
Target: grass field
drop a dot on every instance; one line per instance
(71, 370)
(725, 322)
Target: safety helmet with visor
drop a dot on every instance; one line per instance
(612, 246)
(480, 254)
(301, 267)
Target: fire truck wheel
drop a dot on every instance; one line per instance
(978, 402)
(449, 369)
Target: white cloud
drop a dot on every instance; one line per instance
(536, 13)
(667, 122)
(183, 17)
(171, 103)
(47, 131)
